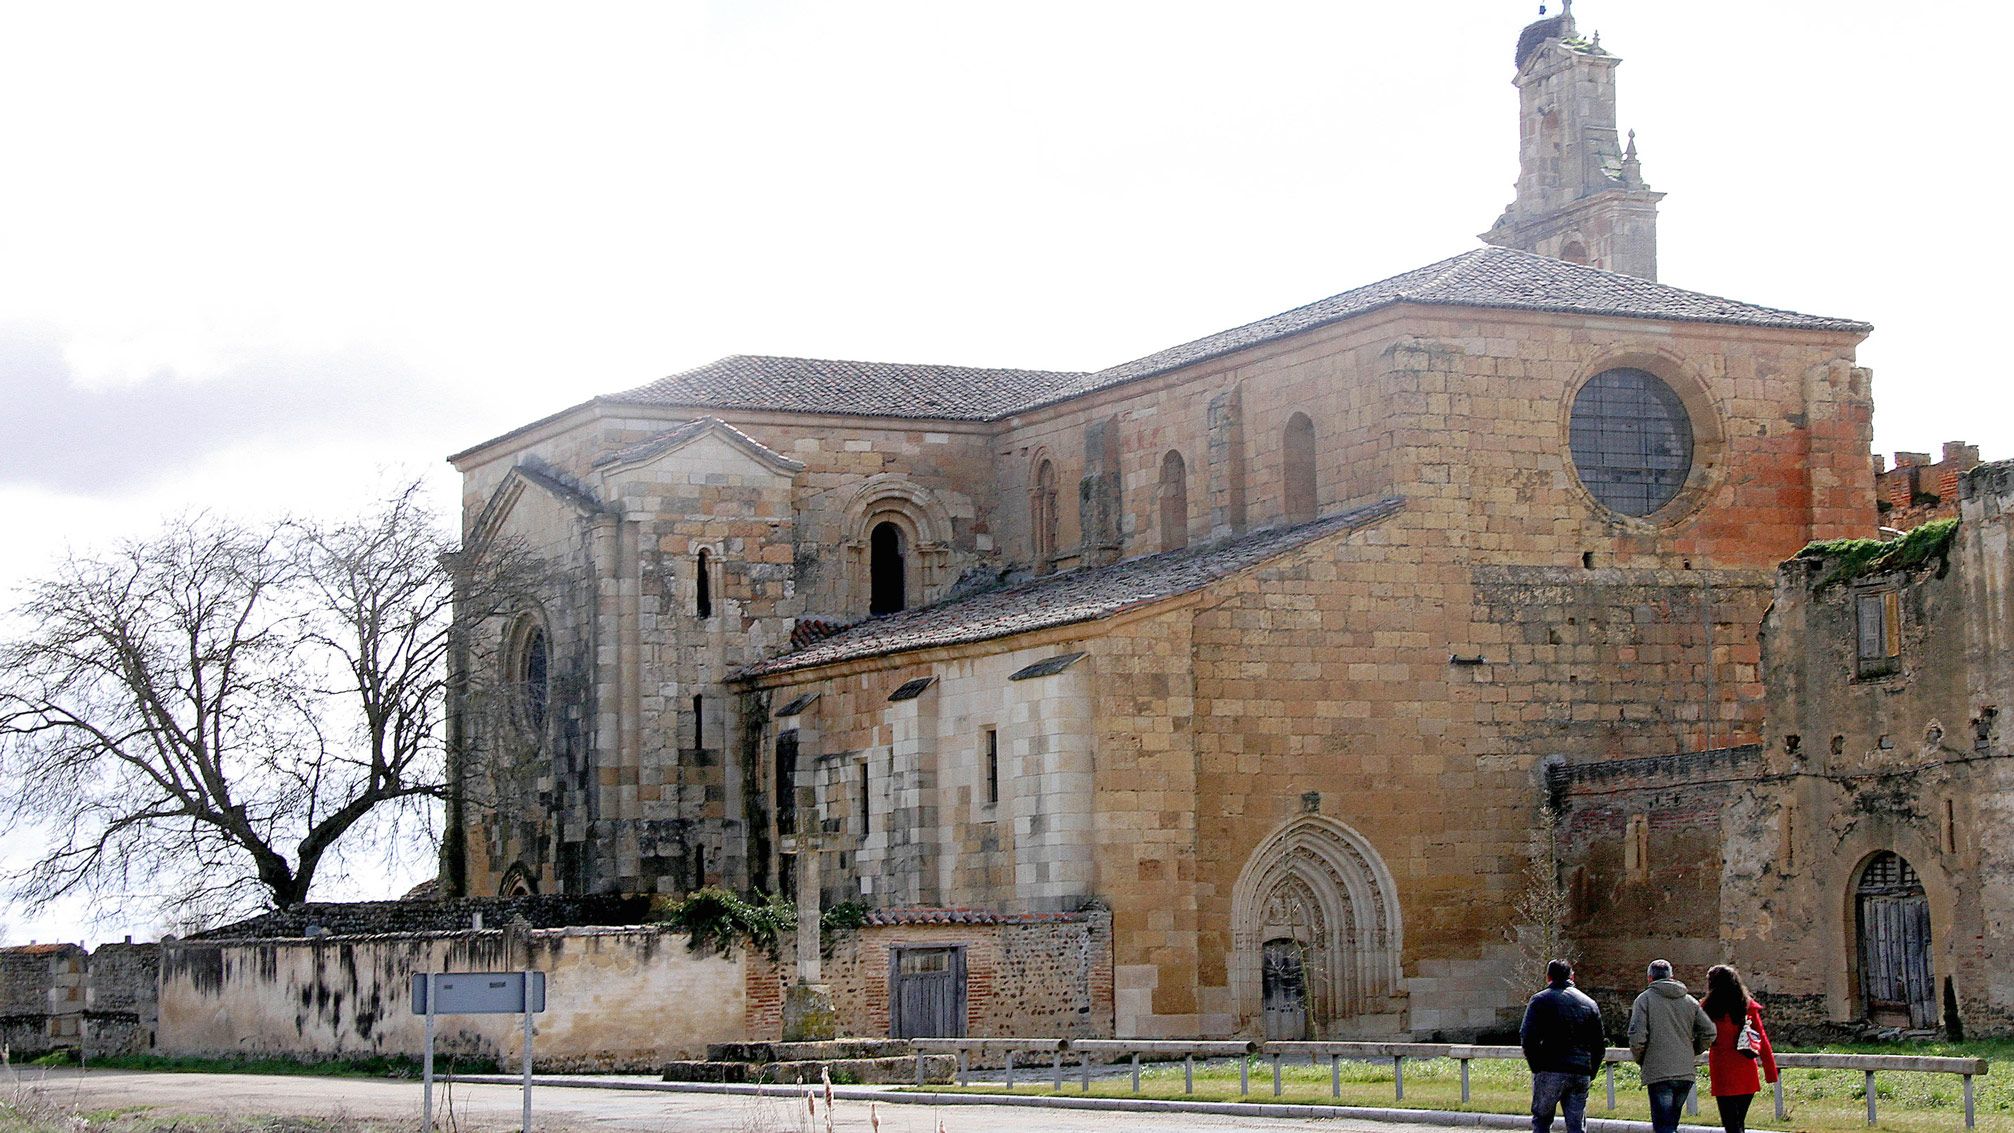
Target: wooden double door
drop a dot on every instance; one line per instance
(1896, 984)
(926, 992)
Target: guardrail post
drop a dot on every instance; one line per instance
(1136, 1072)
(1968, 1100)
(1777, 1087)
(1335, 1075)
(1244, 1075)
(1607, 1069)
(1276, 1075)
(1010, 1069)
(1465, 1081)
(1870, 1095)
(1059, 1070)
(919, 1067)
(1399, 1076)
(961, 1068)
(1084, 1065)
(1188, 1073)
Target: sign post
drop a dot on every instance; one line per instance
(474, 993)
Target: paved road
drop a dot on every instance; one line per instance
(487, 1107)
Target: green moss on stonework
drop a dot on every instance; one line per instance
(1858, 558)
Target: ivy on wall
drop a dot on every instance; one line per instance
(719, 920)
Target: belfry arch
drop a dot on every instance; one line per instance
(1316, 889)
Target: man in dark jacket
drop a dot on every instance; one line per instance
(1564, 1045)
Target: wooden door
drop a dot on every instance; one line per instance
(1284, 991)
(926, 993)
(1894, 927)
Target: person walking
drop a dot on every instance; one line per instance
(1564, 1046)
(1667, 1031)
(1741, 1057)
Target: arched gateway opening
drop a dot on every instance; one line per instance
(1892, 922)
(1315, 935)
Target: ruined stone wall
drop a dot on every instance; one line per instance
(41, 997)
(617, 998)
(121, 997)
(1904, 755)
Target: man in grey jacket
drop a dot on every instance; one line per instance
(1667, 1032)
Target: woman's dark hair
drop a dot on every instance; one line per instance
(1726, 998)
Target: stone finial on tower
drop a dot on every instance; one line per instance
(1580, 196)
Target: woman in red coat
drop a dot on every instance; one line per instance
(1735, 1072)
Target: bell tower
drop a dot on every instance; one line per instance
(1580, 192)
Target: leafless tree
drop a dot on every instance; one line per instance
(203, 715)
(1540, 931)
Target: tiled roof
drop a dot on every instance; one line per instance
(877, 389)
(1064, 599)
(1502, 278)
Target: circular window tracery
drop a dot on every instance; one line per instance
(1631, 439)
(531, 677)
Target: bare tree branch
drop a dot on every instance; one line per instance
(209, 712)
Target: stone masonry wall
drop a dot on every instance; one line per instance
(1027, 974)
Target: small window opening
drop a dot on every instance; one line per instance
(699, 867)
(786, 782)
(866, 800)
(1042, 516)
(1174, 502)
(1839, 745)
(1587, 560)
(702, 584)
(887, 588)
(1879, 618)
(992, 766)
(1950, 825)
(698, 722)
(1792, 742)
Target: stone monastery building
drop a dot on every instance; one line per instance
(1276, 644)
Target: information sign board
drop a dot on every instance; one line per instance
(480, 993)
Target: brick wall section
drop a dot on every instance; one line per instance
(1640, 847)
(1917, 490)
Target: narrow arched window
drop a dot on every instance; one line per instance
(1574, 252)
(531, 673)
(1174, 502)
(1042, 515)
(1297, 458)
(702, 586)
(887, 587)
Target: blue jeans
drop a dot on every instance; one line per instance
(1550, 1088)
(1667, 1102)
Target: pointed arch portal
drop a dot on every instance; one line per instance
(1315, 933)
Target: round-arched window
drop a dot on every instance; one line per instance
(1631, 439)
(533, 678)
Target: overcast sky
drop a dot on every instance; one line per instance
(257, 257)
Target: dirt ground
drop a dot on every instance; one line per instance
(484, 1108)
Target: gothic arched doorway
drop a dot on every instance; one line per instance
(1892, 923)
(1315, 935)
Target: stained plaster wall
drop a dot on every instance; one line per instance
(617, 999)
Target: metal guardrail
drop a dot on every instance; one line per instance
(1397, 1054)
